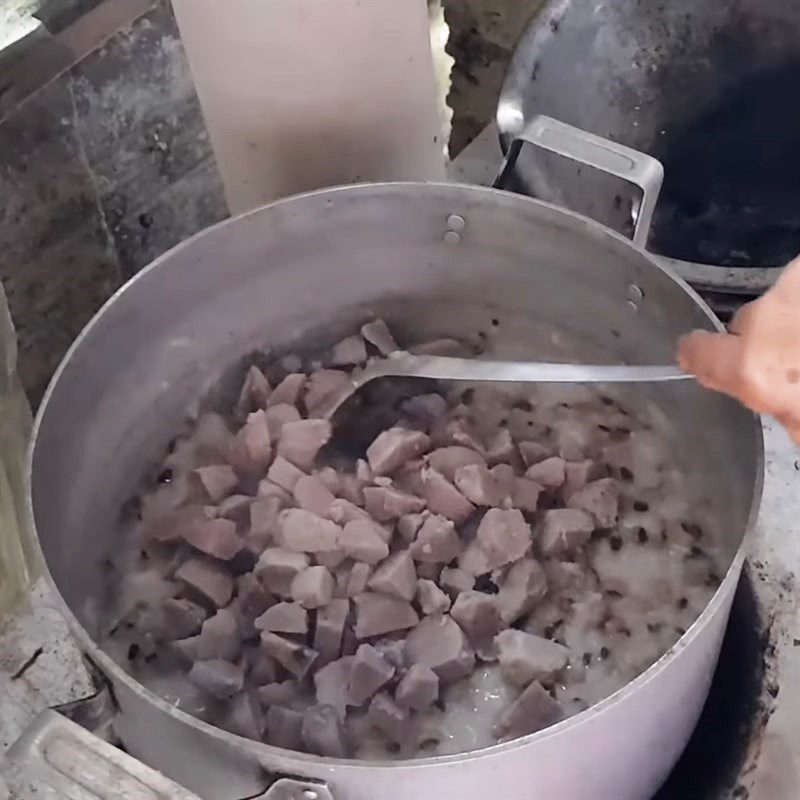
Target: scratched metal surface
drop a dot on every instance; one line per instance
(772, 767)
(54, 677)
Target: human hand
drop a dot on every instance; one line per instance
(758, 362)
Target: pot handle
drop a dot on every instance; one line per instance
(296, 789)
(565, 140)
(56, 759)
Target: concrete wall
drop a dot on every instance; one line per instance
(101, 170)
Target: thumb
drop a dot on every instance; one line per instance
(792, 425)
(715, 359)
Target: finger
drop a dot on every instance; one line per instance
(792, 425)
(715, 359)
(788, 283)
(742, 319)
(785, 291)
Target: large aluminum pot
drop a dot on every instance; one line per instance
(434, 260)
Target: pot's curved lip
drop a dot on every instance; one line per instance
(510, 119)
(266, 753)
(716, 278)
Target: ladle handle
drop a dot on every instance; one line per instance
(565, 140)
(402, 364)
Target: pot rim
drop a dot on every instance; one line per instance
(265, 752)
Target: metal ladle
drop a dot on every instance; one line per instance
(445, 368)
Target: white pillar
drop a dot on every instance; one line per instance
(300, 94)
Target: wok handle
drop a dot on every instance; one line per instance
(565, 140)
